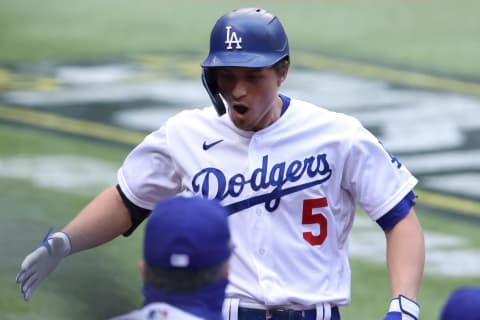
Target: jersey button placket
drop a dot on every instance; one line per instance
(259, 232)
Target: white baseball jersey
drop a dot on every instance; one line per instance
(291, 189)
(157, 311)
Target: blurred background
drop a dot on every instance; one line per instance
(437, 36)
(81, 83)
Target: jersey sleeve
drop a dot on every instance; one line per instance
(400, 211)
(376, 179)
(148, 173)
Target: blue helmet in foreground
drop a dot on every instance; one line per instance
(462, 304)
(246, 37)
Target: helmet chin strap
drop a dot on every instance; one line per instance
(209, 82)
(220, 104)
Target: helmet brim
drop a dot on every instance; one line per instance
(242, 59)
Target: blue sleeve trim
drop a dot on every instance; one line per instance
(398, 212)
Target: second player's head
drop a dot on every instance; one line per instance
(242, 40)
(463, 303)
(186, 245)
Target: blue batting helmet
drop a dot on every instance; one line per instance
(462, 304)
(187, 232)
(246, 37)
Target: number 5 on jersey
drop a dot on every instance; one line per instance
(308, 217)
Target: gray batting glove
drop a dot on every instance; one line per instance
(43, 260)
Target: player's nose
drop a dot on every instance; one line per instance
(239, 89)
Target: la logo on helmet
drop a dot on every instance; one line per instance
(232, 39)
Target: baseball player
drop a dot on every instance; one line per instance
(186, 250)
(289, 173)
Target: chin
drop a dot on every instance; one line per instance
(240, 124)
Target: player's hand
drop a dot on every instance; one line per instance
(43, 260)
(402, 308)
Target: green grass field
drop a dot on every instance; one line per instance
(436, 36)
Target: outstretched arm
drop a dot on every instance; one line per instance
(102, 220)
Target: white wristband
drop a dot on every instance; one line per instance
(410, 309)
(66, 241)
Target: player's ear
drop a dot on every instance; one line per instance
(282, 70)
(283, 77)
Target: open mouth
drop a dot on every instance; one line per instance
(240, 108)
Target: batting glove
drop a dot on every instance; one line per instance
(43, 260)
(402, 308)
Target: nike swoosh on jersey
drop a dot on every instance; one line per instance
(209, 145)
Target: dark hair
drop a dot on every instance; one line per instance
(183, 280)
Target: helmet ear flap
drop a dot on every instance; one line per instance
(210, 83)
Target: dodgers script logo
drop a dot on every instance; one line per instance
(212, 182)
(232, 39)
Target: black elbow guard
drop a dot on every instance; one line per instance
(137, 214)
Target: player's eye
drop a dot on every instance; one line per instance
(225, 76)
(253, 77)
